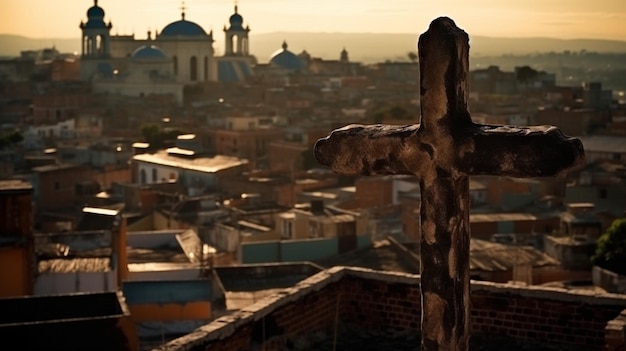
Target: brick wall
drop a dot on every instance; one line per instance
(573, 320)
(373, 300)
(615, 333)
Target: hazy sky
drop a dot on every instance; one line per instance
(604, 19)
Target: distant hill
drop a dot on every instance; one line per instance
(11, 45)
(376, 47)
(363, 47)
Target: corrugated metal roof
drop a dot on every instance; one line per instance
(508, 217)
(74, 265)
(490, 256)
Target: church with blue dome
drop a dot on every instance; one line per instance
(185, 44)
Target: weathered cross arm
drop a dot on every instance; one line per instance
(369, 149)
(536, 151)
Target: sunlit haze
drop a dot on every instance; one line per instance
(600, 19)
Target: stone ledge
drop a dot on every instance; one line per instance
(550, 293)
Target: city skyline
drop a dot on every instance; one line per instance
(572, 19)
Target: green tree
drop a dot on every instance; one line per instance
(611, 251)
(8, 139)
(150, 133)
(157, 137)
(412, 56)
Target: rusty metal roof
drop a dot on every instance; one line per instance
(490, 256)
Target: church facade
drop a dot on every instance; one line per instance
(110, 59)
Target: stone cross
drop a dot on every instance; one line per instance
(442, 152)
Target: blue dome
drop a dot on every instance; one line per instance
(95, 17)
(148, 52)
(182, 28)
(286, 59)
(95, 12)
(236, 20)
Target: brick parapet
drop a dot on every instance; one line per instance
(374, 300)
(615, 333)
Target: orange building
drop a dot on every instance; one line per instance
(16, 238)
(58, 106)
(295, 152)
(246, 137)
(59, 186)
(64, 69)
(171, 307)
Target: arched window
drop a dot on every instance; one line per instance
(244, 46)
(206, 68)
(89, 46)
(99, 45)
(175, 60)
(86, 46)
(193, 68)
(234, 43)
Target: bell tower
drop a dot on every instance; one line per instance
(95, 43)
(237, 43)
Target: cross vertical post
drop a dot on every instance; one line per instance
(442, 152)
(444, 243)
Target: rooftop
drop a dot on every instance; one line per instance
(604, 143)
(202, 164)
(7, 186)
(66, 322)
(502, 217)
(55, 167)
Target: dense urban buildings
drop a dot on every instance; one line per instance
(170, 186)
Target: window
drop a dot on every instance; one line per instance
(175, 61)
(100, 45)
(315, 229)
(57, 185)
(206, 68)
(193, 68)
(287, 230)
(602, 193)
(234, 44)
(143, 177)
(154, 175)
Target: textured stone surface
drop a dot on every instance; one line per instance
(443, 151)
